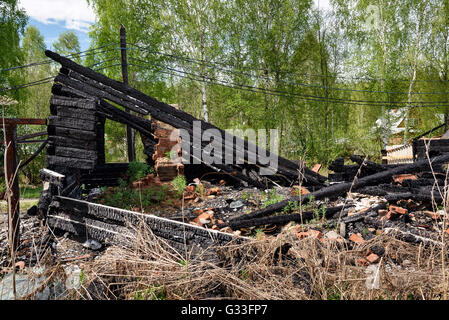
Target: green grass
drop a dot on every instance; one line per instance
(30, 192)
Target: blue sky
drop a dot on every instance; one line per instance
(51, 33)
(52, 17)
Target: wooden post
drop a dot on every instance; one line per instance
(10, 167)
(130, 134)
(13, 179)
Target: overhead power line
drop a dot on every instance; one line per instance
(215, 64)
(202, 78)
(93, 50)
(49, 79)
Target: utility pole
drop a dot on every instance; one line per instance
(130, 134)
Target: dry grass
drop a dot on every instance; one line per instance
(261, 269)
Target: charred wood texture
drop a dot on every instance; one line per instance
(281, 219)
(341, 189)
(85, 82)
(109, 224)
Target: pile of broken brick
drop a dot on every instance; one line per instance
(409, 206)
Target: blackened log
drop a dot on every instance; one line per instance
(75, 143)
(108, 91)
(342, 188)
(423, 197)
(368, 213)
(73, 123)
(89, 228)
(69, 112)
(370, 165)
(68, 152)
(78, 103)
(383, 189)
(71, 133)
(64, 91)
(337, 165)
(53, 177)
(174, 230)
(280, 219)
(94, 92)
(410, 183)
(406, 233)
(159, 109)
(70, 162)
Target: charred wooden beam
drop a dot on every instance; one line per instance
(70, 162)
(281, 219)
(53, 177)
(162, 111)
(342, 188)
(95, 92)
(75, 143)
(71, 133)
(83, 211)
(73, 123)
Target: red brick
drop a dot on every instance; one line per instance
(214, 191)
(310, 233)
(316, 167)
(296, 190)
(400, 177)
(356, 238)
(433, 215)
(390, 215)
(363, 262)
(398, 209)
(372, 258)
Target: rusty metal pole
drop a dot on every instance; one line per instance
(130, 134)
(13, 179)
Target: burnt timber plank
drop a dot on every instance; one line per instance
(73, 123)
(159, 109)
(68, 152)
(52, 176)
(69, 112)
(75, 143)
(108, 91)
(156, 224)
(79, 103)
(92, 229)
(71, 133)
(94, 92)
(342, 188)
(69, 162)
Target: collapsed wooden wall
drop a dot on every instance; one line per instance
(85, 83)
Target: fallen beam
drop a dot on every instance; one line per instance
(342, 188)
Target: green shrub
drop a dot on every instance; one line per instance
(136, 171)
(272, 198)
(179, 183)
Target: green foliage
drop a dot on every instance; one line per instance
(247, 195)
(136, 171)
(127, 198)
(291, 206)
(271, 198)
(179, 183)
(68, 44)
(152, 293)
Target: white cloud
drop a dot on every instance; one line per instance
(322, 4)
(76, 14)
